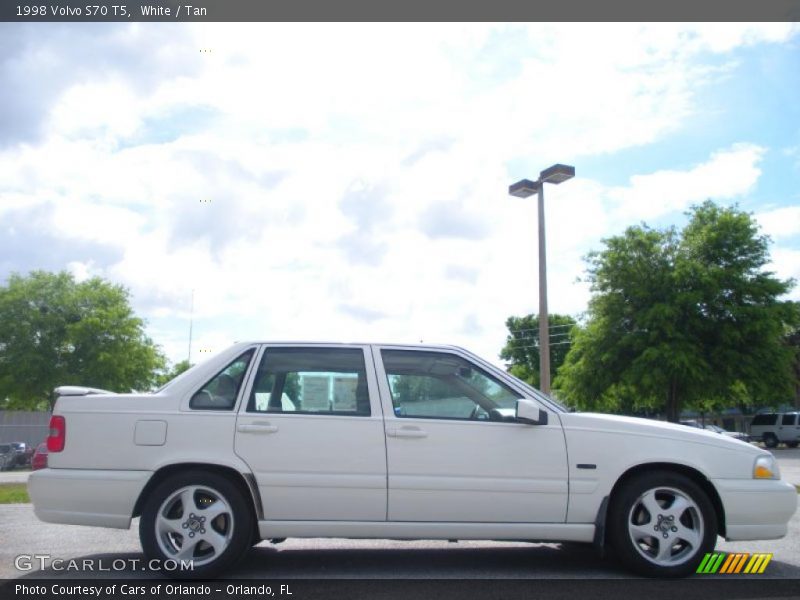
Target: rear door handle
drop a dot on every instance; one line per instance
(406, 432)
(256, 428)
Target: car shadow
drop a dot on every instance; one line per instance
(452, 562)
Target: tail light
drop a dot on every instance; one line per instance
(58, 434)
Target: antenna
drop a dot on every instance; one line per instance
(191, 315)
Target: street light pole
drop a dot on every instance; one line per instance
(544, 329)
(523, 189)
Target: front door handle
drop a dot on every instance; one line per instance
(406, 432)
(256, 428)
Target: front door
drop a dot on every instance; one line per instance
(313, 436)
(454, 452)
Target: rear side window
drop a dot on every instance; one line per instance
(789, 419)
(323, 381)
(766, 419)
(220, 392)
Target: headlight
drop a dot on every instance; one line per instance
(766, 468)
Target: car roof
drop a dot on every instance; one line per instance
(423, 346)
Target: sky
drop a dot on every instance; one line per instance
(350, 182)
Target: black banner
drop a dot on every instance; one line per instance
(383, 589)
(399, 10)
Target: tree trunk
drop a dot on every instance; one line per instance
(673, 402)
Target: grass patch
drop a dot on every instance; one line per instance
(14, 493)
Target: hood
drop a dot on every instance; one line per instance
(649, 427)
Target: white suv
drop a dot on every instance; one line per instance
(275, 440)
(776, 428)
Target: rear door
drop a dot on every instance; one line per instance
(311, 429)
(787, 427)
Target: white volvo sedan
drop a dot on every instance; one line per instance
(275, 440)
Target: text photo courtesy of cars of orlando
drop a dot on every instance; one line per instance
(425, 442)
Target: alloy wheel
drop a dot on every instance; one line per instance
(194, 523)
(666, 526)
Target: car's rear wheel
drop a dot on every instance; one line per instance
(770, 441)
(196, 524)
(661, 524)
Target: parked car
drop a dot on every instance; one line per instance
(8, 457)
(776, 428)
(739, 435)
(39, 459)
(23, 454)
(389, 441)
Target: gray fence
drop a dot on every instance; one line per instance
(24, 426)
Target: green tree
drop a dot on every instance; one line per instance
(172, 372)
(793, 341)
(55, 331)
(522, 345)
(683, 319)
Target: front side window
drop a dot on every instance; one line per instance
(445, 386)
(220, 392)
(789, 419)
(311, 380)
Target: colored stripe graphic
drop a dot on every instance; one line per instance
(741, 562)
(711, 563)
(758, 563)
(734, 562)
(727, 564)
(728, 561)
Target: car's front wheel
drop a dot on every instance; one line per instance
(196, 524)
(661, 524)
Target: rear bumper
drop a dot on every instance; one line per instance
(85, 496)
(756, 509)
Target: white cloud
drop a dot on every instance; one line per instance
(80, 271)
(786, 265)
(316, 222)
(728, 174)
(781, 223)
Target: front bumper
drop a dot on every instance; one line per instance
(757, 509)
(86, 496)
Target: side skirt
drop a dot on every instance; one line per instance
(544, 532)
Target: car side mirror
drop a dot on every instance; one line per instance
(530, 413)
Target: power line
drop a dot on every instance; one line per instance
(537, 345)
(552, 336)
(555, 326)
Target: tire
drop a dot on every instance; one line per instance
(682, 533)
(770, 441)
(791, 444)
(213, 533)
